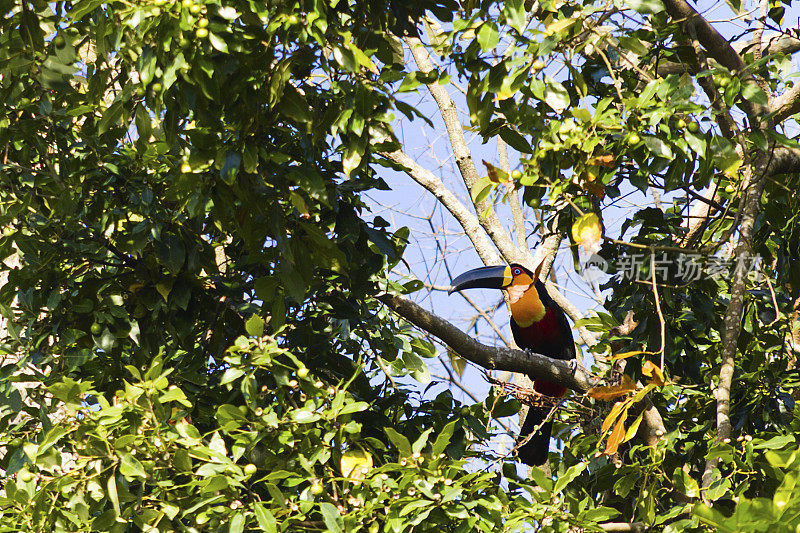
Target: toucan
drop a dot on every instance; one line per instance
(538, 325)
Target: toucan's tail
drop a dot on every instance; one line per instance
(534, 452)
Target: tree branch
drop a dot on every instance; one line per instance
(635, 527)
(466, 166)
(786, 104)
(513, 197)
(464, 216)
(718, 47)
(733, 316)
(777, 44)
(512, 360)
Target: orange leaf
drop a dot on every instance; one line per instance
(603, 392)
(603, 161)
(616, 436)
(651, 370)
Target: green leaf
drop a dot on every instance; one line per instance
(556, 96)
(685, 483)
(657, 147)
(130, 467)
(330, 515)
(566, 478)
(420, 443)
(111, 117)
(112, 493)
(515, 140)
(645, 6)
(481, 190)
(231, 167)
(237, 523)
(514, 10)
(541, 479)
(443, 438)
(775, 443)
(217, 42)
(30, 29)
(171, 252)
(294, 105)
(696, 143)
(400, 442)
(753, 93)
(254, 326)
(488, 36)
(715, 519)
(82, 8)
(265, 520)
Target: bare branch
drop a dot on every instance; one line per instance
(786, 104)
(464, 216)
(513, 197)
(635, 527)
(700, 214)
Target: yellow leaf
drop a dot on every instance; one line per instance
(732, 169)
(625, 355)
(134, 287)
(588, 230)
(642, 393)
(355, 464)
(651, 370)
(457, 362)
(616, 436)
(603, 392)
(559, 25)
(633, 428)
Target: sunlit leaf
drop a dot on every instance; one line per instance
(617, 435)
(355, 464)
(653, 371)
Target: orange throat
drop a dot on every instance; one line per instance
(526, 306)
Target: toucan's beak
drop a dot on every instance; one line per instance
(491, 277)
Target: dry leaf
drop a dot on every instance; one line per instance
(604, 392)
(496, 175)
(615, 412)
(651, 370)
(616, 436)
(603, 161)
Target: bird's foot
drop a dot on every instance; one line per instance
(573, 365)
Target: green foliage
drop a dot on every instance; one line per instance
(191, 269)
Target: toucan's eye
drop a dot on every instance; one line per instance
(516, 271)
